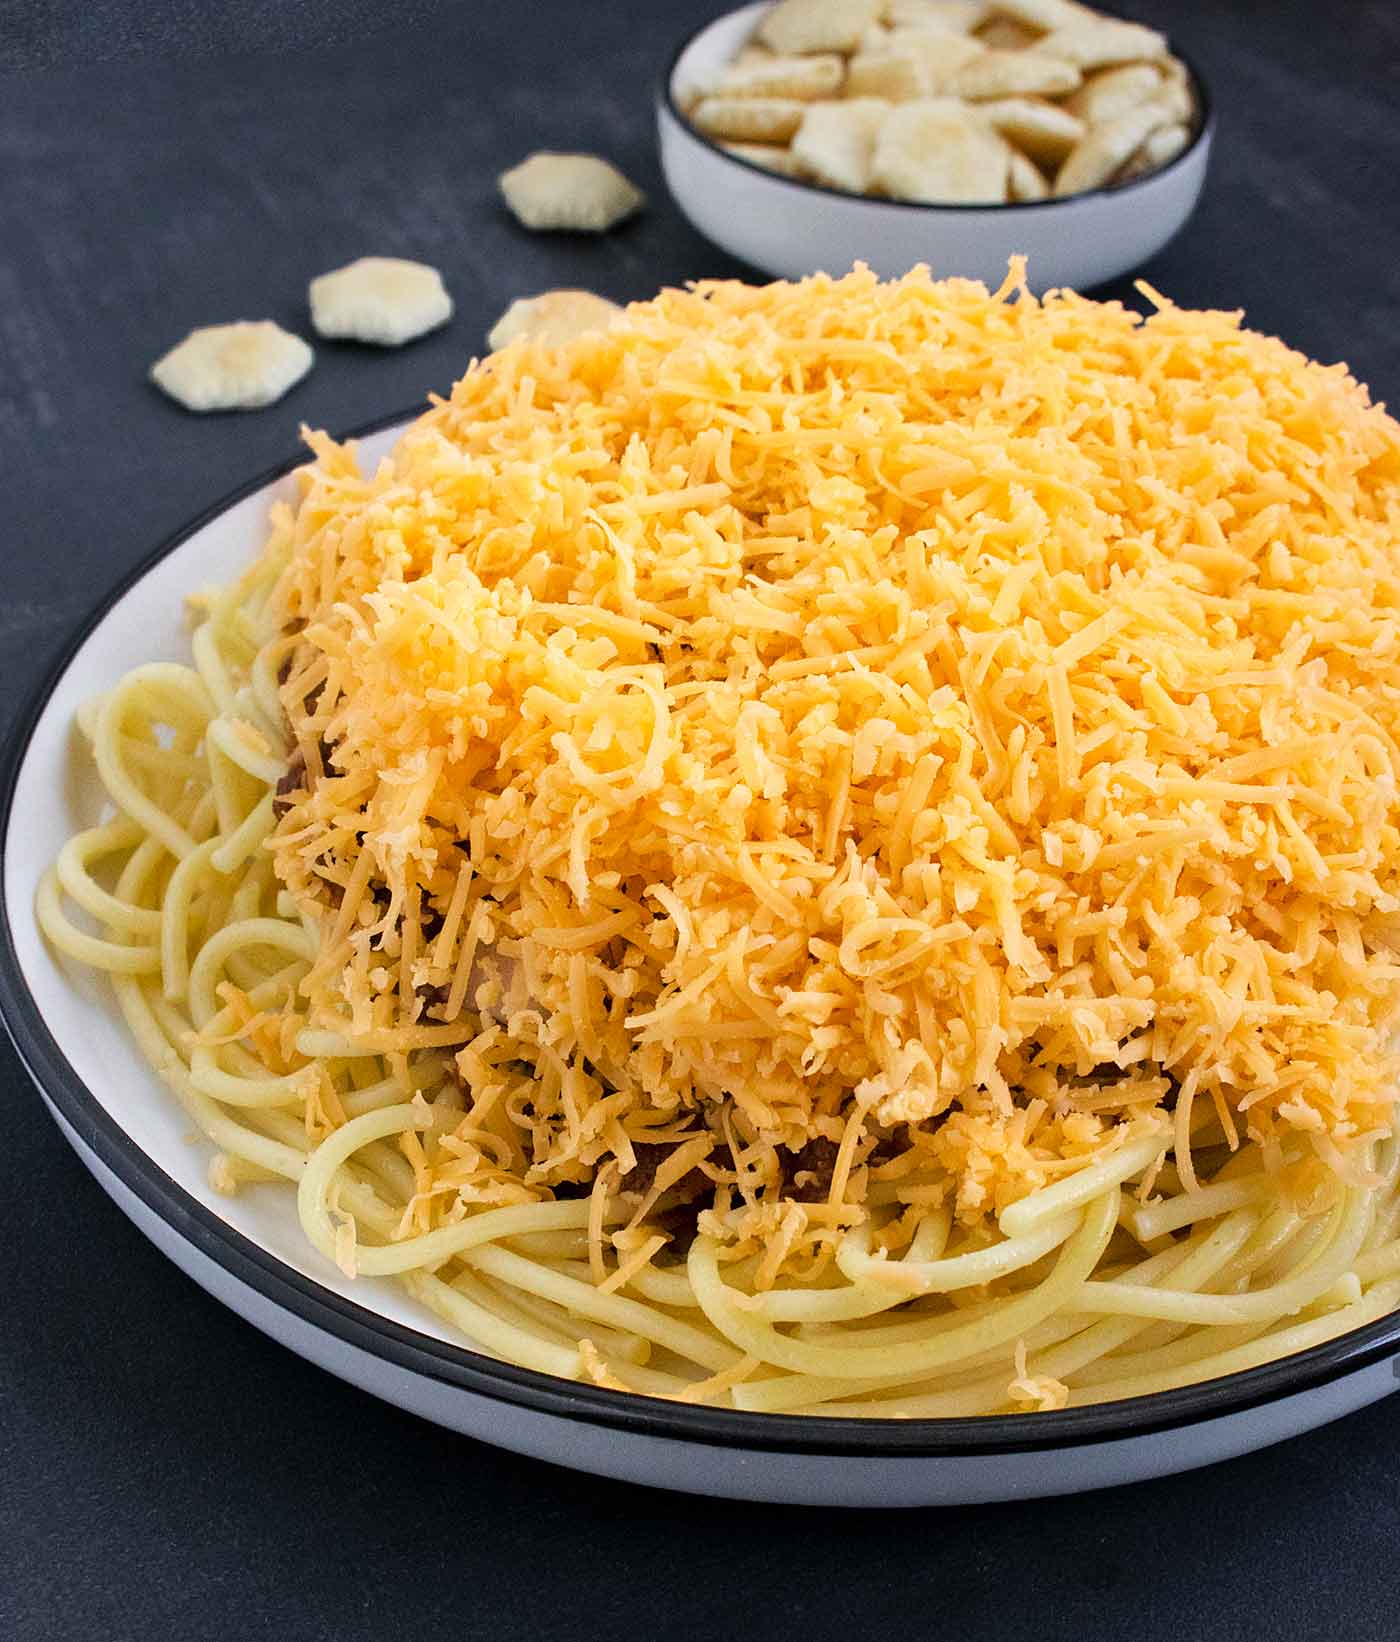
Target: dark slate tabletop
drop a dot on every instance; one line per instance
(165, 1471)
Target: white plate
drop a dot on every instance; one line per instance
(249, 1252)
(791, 228)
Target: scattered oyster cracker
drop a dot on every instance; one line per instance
(552, 316)
(384, 300)
(578, 192)
(242, 366)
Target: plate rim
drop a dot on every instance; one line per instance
(466, 1369)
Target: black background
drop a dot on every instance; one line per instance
(165, 1471)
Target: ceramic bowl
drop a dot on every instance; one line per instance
(790, 228)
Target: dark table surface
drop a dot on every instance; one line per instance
(165, 1471)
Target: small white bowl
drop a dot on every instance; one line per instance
(791, 228)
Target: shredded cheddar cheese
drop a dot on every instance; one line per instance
(891, 715)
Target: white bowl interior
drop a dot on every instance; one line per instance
(58, 792)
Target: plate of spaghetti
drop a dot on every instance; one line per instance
(797, 897)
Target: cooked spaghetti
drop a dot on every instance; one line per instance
(829, 847)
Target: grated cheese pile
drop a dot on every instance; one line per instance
(875, 713)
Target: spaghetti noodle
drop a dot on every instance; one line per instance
(829, 848)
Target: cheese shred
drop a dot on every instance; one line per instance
(838, 851)
(881, 694)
